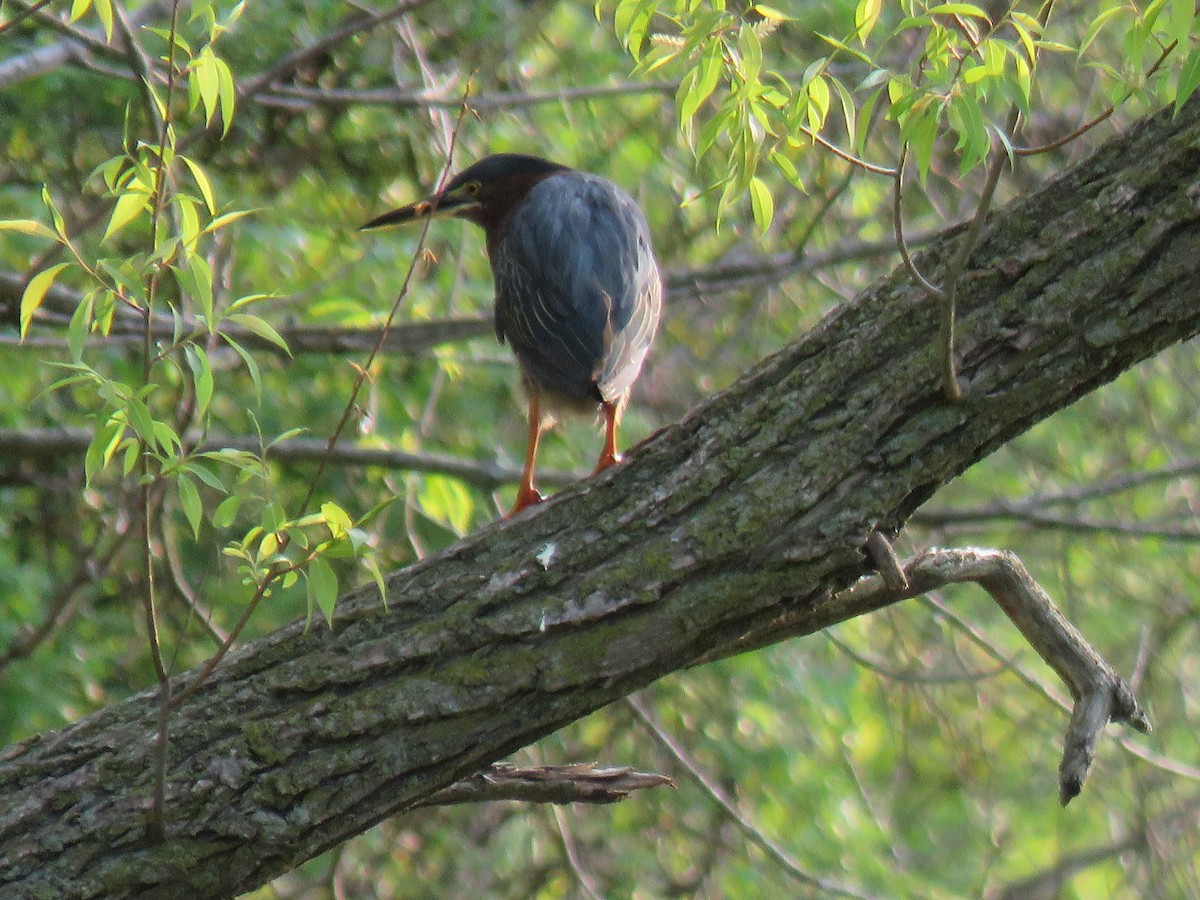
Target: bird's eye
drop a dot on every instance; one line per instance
(471, 188)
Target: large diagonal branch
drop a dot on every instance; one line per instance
(751, 512)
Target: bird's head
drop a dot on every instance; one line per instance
(484, 193)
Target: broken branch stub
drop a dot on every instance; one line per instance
(1101, 696)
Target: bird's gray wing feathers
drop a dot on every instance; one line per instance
(578, 293)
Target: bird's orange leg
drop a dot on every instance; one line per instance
(609, 455)
(527, 494)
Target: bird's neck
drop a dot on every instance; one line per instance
(494, 217)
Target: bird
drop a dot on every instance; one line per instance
(578, 293)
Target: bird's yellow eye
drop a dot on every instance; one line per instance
(471, 188)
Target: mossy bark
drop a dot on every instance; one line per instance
(750, 513)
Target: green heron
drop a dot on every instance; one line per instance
(578, 293)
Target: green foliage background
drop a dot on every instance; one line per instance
(908, 754)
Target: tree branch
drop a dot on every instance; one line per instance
(54, 443)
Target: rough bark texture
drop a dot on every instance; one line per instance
(755, 508)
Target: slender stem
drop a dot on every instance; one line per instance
(898, 229)
(156, 825)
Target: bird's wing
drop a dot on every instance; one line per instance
(577, 289)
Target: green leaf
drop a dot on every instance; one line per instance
(189, 222)
(251, 364)
(80, 325)
(770, 12)
(35, 293)
(101, 448)
(28, 226)
(204, 70)
(701, 81)
(227, 511)
(959, 9)
(631, 21)
(203, 183)
(1097, 25)
(1183, 18)
(1189, 78)
(132, 203)
(104, 10)
(202, 376)
(189, 499)
(166, 437)
(261, 328)
(762, 204)
(79, 8)
(322, 587)
(372, 566)
(141, 419)
(818, 102)
(446, 500)
(750, 49)
(227, 90)
(227, 218)
(336, 518)
(866, 15)
(195, 279)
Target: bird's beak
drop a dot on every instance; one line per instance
(444, 204)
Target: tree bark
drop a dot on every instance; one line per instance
(751, 512)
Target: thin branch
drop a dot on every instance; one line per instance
(60, 606)
(24, 11)
(55, 443)
(1151, 757)
(1096, 120)
(755, 835)
(354, 25)
(908, 677)
(939, 518)
(898, 230)
(300, 97)
(966, 246)
(81, 36)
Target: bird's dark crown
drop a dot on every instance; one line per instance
(502, 166)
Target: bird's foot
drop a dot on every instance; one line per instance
(527, 496)
(607, 460)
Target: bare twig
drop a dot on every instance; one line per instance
(828, 886)
(1095, 120)
(54, 443)
(295, 96)
(1041, 519)
(966, 246)
(898, 230)
(354, 25)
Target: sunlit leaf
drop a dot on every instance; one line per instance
(866, 15)
(132, 203)
(189, 500)
(203, 183)
(322, 587)
(260, 327)
(1189, 78)
(761, 203)
(35, 293)
(27, 226)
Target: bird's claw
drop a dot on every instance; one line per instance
(526, 496)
